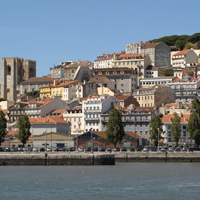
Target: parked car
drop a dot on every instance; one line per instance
(171, 149)
(35, 149)
(72, 149)
(145, 149)
(153, 149)
(12, 149)
(139, 148)
(88, 149)
(29, 149)
(56, 149)
(184, 149)
(132, 149)
(101, 149)
(25, 149)
(80, 149)
(7, 149)
(20, 149)
(190, 149)
(177, 149)
(163, 149)
(109, 149)
(124, 149)
(49, 149)
(95, 149)
(1, 149)
(196, 148)
(116, 149)
(42, 149)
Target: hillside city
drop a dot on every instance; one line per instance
(70, 107)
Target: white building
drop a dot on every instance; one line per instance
(75, 117)
(104, 61)
(185, 89)
(135, 48)
(167, 136)
(151, 72)
(184, 58)
(49, 124)
(93, 107)
(160, 80)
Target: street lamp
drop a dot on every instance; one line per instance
(158, 139)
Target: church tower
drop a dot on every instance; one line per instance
(13, 71)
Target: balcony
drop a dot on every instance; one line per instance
(92, 119)
(93, 111)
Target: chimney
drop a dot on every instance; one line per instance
(195, 74)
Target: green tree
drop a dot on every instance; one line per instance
(24, 126)
(198, 44)
(175, 128)
(3, 126)
(115, 128)
(180, 44)
(155, 129)
(189, 45)
(194, 122)
(194, 38)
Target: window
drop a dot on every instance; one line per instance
(146, 132)
(140, 132)
(74, 118)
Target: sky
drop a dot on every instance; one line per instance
(55, 31)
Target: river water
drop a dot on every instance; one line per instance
(122, 181)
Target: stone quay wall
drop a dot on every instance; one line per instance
(56, 159)
(158, 157)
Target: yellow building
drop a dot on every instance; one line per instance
(154, 96)
(109, 91)
(55, 89)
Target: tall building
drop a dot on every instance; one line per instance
(13, 71)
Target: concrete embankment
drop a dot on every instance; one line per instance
(79, 158)
(56, 159)
(158, 157)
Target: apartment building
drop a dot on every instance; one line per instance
(135, 47)
(104, 61)
(93, 107)
(66, 90)
(35, 109)
(138, 62)
(75, 117)
(151, 72)
(154, 96)
(151, 82)
(135, 119)
(185, 89)
(184, 58)
(167, 135)
(125, 78)
(34, 84)
(159, 54)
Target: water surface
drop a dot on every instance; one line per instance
(122, 181)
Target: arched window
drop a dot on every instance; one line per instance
(9, 70)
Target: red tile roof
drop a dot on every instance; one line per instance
(185, 72)
(183, 52)
(131, 56)
(50, 120)
(151, 45)
(100, 79)
(12, 132)
(171, 104)
(122, 98)
(167, 118)
(150, 67)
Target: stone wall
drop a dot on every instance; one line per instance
(56, 159)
